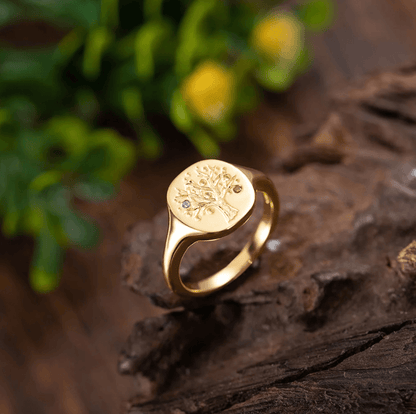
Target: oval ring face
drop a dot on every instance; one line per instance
(211, 196)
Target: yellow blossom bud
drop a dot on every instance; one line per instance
(279, 35)
(209, 91)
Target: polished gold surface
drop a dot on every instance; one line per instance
(210, 200)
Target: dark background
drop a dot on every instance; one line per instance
(58, 352)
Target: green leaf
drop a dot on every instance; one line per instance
(97, 42)
(275, 78)
(42, 281)
(244, 66)
(33, 220)
(133, 103)
(317, 15)
(149, 37)
(36, 146)
(121, 154)
(95, 159)
(13, 198)
(71, 134)
(191, 34)
(109, 12)
(304, 61)
(9, 170)
(204, 143)
(180, 114)
(121, 77)
(225, 130)
(23, 109)
(87, 104)
(150, 144)
(66, 12)
(46, 264)
(45, 180)
(57, 200)
(69, 45)
(5, 116)
(31, 74)
(216, 46)
(8, 12)
(10, 222)
(83, 12)
(94, 190)
(248, 97)
(7, 136)
(80, 232)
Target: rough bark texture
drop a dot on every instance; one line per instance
(325, 321)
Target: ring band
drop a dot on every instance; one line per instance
(207, 201)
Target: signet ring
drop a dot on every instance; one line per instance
(210, 200)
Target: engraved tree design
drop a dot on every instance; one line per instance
(208, 192)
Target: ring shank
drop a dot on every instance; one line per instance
(181, 237)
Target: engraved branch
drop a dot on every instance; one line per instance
(208, 193)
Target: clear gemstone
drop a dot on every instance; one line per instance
(186, 204)
(237, 189)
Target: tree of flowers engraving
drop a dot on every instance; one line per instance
(208, 193)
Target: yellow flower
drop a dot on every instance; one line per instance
(279, 35)
(209, 91)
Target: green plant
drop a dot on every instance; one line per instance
(201, 63)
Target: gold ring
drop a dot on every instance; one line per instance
(207, 201)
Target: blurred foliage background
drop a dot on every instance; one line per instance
(198, 64)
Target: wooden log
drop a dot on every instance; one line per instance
(325, 320)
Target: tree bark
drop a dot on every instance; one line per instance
(325, 320)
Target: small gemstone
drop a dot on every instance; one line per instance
(237, 189)
(186, 204)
